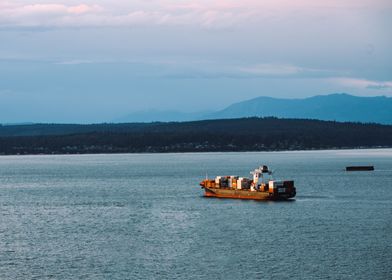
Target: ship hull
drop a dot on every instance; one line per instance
(244, 194)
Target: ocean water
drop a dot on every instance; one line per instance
(142, 216)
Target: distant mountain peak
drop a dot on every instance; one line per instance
(331, 107)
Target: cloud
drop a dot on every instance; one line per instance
(75, 62)
(363, 83)
(6, 92)
(43, 15)
(207, 14)
(272, 69)
(188, 68)
(379, 86)
(82, 15)
(287, 70)
(81, 9)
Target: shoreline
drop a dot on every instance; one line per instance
(207, 152)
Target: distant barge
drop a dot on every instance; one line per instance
(360, 168)
(262, 187)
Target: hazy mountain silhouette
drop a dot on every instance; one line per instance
(333, 107)
(161, 116)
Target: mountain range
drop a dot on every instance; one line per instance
(334, 107)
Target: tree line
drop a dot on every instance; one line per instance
(246, 134)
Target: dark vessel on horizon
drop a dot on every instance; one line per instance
(360, 168)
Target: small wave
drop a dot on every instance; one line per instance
(305, 197)
(100, 204)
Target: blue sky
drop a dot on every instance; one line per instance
(94, 61)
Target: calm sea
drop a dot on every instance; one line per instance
(142, 216)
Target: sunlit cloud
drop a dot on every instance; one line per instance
(44, 15)
(208, 14)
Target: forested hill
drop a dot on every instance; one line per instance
(246, 134)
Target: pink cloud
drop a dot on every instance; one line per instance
(83, 8)
(204, 13)
(50, 9)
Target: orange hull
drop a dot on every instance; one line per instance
(243, 194)
(208, 194)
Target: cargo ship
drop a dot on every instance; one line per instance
(261, 187)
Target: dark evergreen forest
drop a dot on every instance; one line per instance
(246, 134)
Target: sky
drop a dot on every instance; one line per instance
(95, 61)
